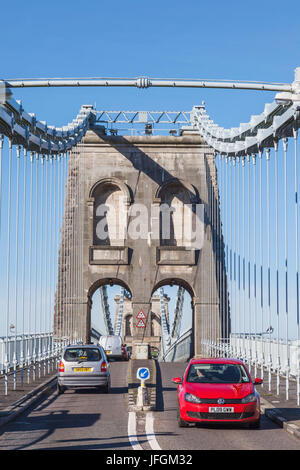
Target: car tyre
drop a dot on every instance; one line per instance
(60, 389)
(106, 388)
(181, 422)
(255, 424)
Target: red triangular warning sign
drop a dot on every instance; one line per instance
(141, 324)
(141, 315)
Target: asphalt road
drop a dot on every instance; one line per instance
(210, 437)
(88, 420)
(81, 420)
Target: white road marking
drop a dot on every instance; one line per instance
(132, 431)
(149, 428)
(150, 432)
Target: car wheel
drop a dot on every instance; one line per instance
(181, 423)
(60, 389)
(107, 388)
(255, 424)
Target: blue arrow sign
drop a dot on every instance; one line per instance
(143, 373)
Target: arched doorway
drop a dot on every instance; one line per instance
(177, 323)
(104, 307)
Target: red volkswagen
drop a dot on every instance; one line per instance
(217, 390)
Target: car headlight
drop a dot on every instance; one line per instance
(191, 398)
(249, 398)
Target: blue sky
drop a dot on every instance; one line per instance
(257, 40)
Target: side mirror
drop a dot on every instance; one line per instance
(258, 381)
(177, 380)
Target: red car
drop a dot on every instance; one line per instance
(125, 352)
(217, 390)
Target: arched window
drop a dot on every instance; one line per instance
(110, 213)
(175, 213)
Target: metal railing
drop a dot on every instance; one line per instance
(29, 356)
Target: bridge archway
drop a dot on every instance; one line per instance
(178, 320)
(111, 281)
(174, 282)
(102, 312)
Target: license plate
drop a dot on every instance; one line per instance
(221, 409)
(82, 369)
(108, 352)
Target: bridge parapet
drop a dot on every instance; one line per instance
(182, 349)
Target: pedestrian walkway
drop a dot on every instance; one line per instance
(285, 413)
(20, 390)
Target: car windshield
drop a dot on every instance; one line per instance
(217, 373)
(82, 354)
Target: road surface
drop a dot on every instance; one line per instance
(88, 420)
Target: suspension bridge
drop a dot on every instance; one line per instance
(243, 277)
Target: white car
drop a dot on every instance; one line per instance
(113, 346)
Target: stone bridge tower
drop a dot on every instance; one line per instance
(127, 187)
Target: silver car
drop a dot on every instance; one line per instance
(83, 366)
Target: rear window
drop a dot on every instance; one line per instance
(115, 340)
(82, 354)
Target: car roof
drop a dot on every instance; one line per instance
(83, 346)
(111, 336)
(214, 360)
